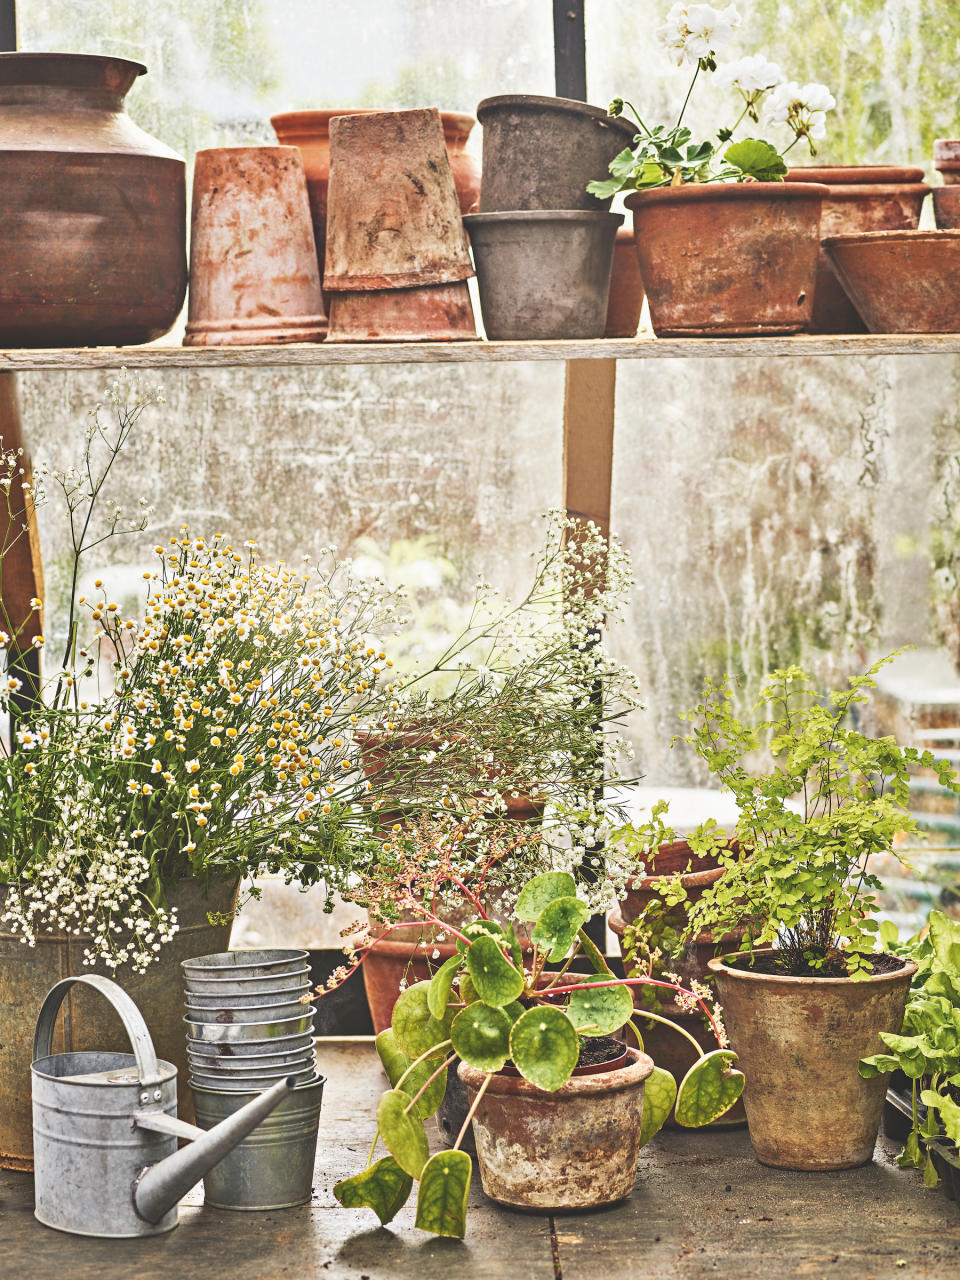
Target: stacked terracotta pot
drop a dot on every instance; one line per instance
(543, 246)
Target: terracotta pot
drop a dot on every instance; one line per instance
(253, 262)
(92, 209)
(676, 855)
(28, 973)
(799, 1041)
(393, 217)
(310, 131)
(641, 891)
(571, 1149)
(729, 258)
(946, 160)
(862, 198)
(540, 153)
(626, 288)
(543, 275)
(901, 281)
(946, 207)
(433, 313)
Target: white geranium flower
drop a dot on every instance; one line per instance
(695, 31)
(753, 74)
(800, 106)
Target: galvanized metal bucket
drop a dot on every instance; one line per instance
(248, 1083)
(244, 964)
(272, 1168)
(241, 985)
(244, 1000)
(213, 1064)
(275, 1012)
(231, 1032)
(302, 1040)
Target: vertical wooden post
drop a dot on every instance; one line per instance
(569, 49)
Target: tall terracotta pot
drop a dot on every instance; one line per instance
(862, 198)
(799, 1041)
(92, 209)
(28, 973)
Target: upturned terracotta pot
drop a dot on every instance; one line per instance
(901, 281)
(310, 131)
(729, 258)
(862, 198)
(540, 153)
(253, 263)
(572, 1149)
(626, 288)
(431, 313)
(92, 209)
(799, 1041)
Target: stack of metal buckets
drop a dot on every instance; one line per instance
(247, 1027)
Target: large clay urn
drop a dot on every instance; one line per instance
(92, 209)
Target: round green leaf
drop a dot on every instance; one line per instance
(541, 890)
(497, 981)
(600, 1010)
(708, 1089)
(414, 1026)
(402, 1132)
(544, 1047)
(659, 1095)
(397, 1066)
(384, 1188)
(481, 1036)
(438, 993)
(442, 1199)
(558, 925)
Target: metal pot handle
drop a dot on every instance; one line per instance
(130, 1016)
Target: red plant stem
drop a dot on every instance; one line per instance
(639, 982)
(351, 969)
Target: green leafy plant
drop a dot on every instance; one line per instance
(927, 1047)
(489, 1005)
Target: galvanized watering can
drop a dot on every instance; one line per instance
(105, 1129)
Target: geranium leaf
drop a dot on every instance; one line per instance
(709, 1089)
(414, 1026)
(541, 890)
(402, 1132)
(544, 1047)
(496, 979)
(384, 1188)
(600, 1010)
(558, 924)
(659, 1095)
(756, 159)
(442, 1198)
(481, 1036)
(396, 1064)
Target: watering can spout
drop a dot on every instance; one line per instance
(161, 1185)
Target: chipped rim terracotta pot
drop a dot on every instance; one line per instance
(253, 263)
(432, 313)
(862, 198)
(572, 1149)
(946, 159)
(729, 259)
(799, 1041)
(901, 281)
(625, 301)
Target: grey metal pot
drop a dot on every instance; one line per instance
(248, 1084)
(540, 153)
(300, 1041)
(258, 999)
(273, 1167)
(214, 1065)
(543, 275)
(244, 964)
(244, 986)
(231, 1032)
(275, 1012)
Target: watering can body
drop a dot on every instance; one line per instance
(106, 1157)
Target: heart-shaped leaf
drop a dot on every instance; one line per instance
(659, 1095)
(600, 1010)
(481, 1036)
(402, 1132)
(414, 1026)
(541, 890)
(442, 1199)
(708, 1089)
(397, 1065)
(438, 993)
(384, 1188)
(497, 980)
(544, 1047)
(558, 925)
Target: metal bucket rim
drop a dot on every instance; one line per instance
(213, 962)
(166, 1069)
(318, 1083)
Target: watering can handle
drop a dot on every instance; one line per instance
(130, 1016)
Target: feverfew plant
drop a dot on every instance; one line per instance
(666, 155)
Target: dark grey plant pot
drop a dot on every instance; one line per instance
(543, 275)
(540, 153)
(452, 1111)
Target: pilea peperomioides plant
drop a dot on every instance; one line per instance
(496, 1003)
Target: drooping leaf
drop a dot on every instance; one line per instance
(438, 993)
(878, 1064)
(756, 159)
(541, 890)
(948, 1110)
(481, 1036)
(659, 1095)
(513, 942)
(414, 1026)
(604, 188)
(945, 937)
(558, 925)
(544, 1047)
(600, 1010)
(709, 1089)
(396, 1064)
(402, 1132)
(384, 1188)
(442, 1198)
(496, 979)
(909, 1050)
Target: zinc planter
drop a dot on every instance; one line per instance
(540, 153)
(799, 1041)
(543, 275)
(729, 259)
(572, 1149)
(901, 281)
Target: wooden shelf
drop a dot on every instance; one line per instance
(317, 354)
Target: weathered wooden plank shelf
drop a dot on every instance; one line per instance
(307, 355)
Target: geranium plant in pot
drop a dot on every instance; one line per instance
(807, 994)
(726, 247)
(521, 1031)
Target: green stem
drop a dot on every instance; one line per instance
(416, 1062)
(424, 1087)
(667, 1022)
(373, 1147)
(687, 98)
(473, 1106)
